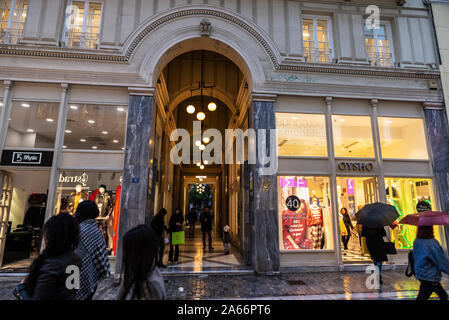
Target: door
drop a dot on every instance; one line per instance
(370, 188)
(6, 188)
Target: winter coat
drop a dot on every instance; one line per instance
(175, 218)
(429, 260)
(192, 217)
(154, 288)
(158, 225)
(375, 243)
(206, 225)
(51, 281)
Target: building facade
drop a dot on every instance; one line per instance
(92, 91)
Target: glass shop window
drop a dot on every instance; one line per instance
(95, 127)
(32, 124)
(402, 138)
(103, 188)
(404, 194)
(352, 136)
(305, 215)
(301, 134)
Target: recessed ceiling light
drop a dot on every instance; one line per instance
(120, 109)
(68, 131)
(30, 130)
(389, 121)
(94, 147)
(25, 105)
(49, 120)
(342, 119)
(64, 147)
(83, 140)
(1, 104)
(115, 141)
(104, 132)
(91, 121)
(294, 118)
(74, 107)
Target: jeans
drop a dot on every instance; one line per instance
(428, 287)
(209, 234)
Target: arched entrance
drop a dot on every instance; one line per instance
(247, 198)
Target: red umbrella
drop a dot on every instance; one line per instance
(427, 218)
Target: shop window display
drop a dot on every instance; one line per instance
(95, 127)
(304, 213)
(101, 187)
(402, 138)
(32, 124)
(352, 136)
(404, 194)
(301, 134)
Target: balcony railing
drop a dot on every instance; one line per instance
(318, 55)
(380, 59)
(11, 36)
(82, 40)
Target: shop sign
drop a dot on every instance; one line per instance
(81, 179)
(26, 158)
(292, 203)
(293, 183)
(355, 166)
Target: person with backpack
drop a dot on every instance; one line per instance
(428, 260)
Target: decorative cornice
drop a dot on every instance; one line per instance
(108, 56)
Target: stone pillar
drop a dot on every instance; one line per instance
(437, 131)
(264, 197)
(133, 203)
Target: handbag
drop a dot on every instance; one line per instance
(390, 248)
(20, 292)
(177, 238)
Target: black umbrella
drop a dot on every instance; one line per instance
(376, 215)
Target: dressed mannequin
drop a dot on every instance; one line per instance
(77, 197)
(315, 223)
(314, 197)
(104, 202)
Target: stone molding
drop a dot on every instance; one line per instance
(263, 39)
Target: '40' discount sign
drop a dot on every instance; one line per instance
(292, 203)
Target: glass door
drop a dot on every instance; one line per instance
(6, 188)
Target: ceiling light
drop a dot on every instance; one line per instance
(68, 131)
(389, 121)
(104, 132)
(342, 119)
(190, 109)
(202, 147)
(83, 140)
(206, 139)
(94, 147)
(49, 120)
(201, 167)
(1, 104)
(30, 130)
(206, 162)
(212, 106)
(74, 107)
(120, 109)
(200, 116)
(115, 141)
(64, 147)
(294, 118)
(91, 121)
(343, 149)
(198, 164)
(197, 143)
(25, 105)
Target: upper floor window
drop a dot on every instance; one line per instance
(317, 37)
(377, 42)
(12, 19)
(83, 24)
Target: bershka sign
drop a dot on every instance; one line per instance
(355, 166)
(82, 179)
(26, 158)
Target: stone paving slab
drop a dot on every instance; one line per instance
(291, 285)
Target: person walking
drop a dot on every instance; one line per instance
(160, 228)
(206, 227)
(192, 218)
(142, 279)
(376, 246)
(47, 277)
(175, 225)
(348, 225)
(429, 261)
(91, 249)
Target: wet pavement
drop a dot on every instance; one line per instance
(316, 286)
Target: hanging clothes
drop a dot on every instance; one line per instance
(93, 195)
(116, 217)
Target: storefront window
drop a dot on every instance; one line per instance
(95, 127)
(32, 124)
(404, 194)
(101, 187)
(402, 138)
(305, 213)
(352, 136)
(301, 134)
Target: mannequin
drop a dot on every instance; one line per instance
(315, 223)
(116, 215)
(104, 203)
(314, 197)
(77, 197)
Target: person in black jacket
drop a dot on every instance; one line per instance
(192, 218)
(47, 277)
(206, 227)
(175, 225)
(160, 228)
(376, 246)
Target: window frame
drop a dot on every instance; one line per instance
(389, 34)
(6, 39)
(314, 18)
(84, 26)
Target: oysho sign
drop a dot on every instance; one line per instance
(82, 179)
(355, 166)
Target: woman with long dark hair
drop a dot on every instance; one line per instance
(348, 225)
(91, 249)
(160, 228)
(47, 277)
(175, 225)
(142, 279)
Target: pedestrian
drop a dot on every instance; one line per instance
(376, 246)
(47, 277)
(348, 225)
(358, 228)
(206, 227)
(160, 228)
(226, 239)
(429, 261)
(142, 279)
(192, 217)
(175, 225)
(91, 249)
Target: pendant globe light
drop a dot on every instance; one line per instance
(190, 109)
(212, 106)
(200, 116)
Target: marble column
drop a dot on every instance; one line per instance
(263, 196)
(439, 143)
(134, 196)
